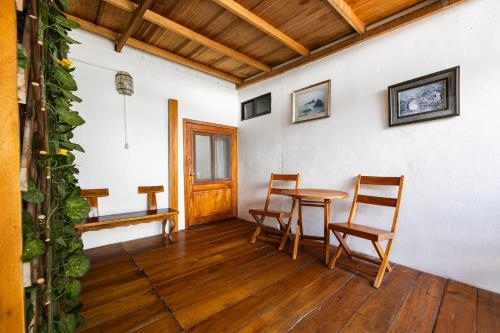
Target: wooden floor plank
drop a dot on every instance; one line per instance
(488, 311)
(458, 309)
(376, 314)
(166, 323)
(210, 305)
(420, 310)
(129, 322)
(267, 299)
(211, 279)
(285, 316)
(336, 311)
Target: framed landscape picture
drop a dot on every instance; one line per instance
(312, 102)
(425, 98)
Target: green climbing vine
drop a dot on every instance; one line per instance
(51, 201)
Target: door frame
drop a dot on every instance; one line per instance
(189, 126)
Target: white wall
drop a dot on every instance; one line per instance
(450, 217)
(106, 163)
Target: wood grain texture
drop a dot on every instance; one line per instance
(458, 309)
(107, 33)
(213, 200)
(210, 279)
(343, 8)
(11, 242)
(133, 25)
(173, 157)
(173, 26)
(262, 25)
(343, 44)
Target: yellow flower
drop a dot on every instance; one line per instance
(66, 63)
(62, 152)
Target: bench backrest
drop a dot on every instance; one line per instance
(91, 195)
(151, 192)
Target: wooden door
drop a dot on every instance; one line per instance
(210, 172)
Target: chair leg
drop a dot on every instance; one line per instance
(164, 229)
(286, 235)
(380, 276)
(296, 242)
(172, 227)
(255, 234)
(337, 253)
(258, 229)
(380, 253)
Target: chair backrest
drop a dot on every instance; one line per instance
(277, 190)
(91, 195)
(151, 192)
(376, 200)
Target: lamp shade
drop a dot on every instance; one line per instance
(124, 83)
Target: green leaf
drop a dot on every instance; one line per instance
(66, 79)
(32, 249)
(67, 323)
(71, 146)
(73, 290)
(71, 118)
(76, 208)
(75, 245)
(78, 265)
(64, 4)
(21, 56)
(65, 22)
(28, 226)
(34, 194)
(69, 95)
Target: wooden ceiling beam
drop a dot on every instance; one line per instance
(190, 34)
(346, 12)
(399, 22)
(133, 25)
(262, 25)
(109, 34)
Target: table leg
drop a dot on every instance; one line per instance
(326, 239)
(297, 231)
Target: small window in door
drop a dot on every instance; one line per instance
(212, 157)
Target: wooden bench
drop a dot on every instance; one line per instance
(95, 222)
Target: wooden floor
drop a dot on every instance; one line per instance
(211, 279)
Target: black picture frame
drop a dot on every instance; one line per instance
(447, 80)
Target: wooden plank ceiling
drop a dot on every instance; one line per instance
(246, 41)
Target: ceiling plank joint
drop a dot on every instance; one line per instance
(262, 25)
(348, 14)
(109, 34)
(168, 24)
(134, 24)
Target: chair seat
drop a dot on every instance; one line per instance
(269, 213)
(362, 231)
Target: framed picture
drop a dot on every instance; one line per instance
(425, 98)
(312, 102)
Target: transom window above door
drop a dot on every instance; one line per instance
(212, 157)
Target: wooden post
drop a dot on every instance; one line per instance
(11, 292)
(173, 158)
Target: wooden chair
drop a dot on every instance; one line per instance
(373, 234)
(260, 214)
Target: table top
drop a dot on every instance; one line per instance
(314, 193)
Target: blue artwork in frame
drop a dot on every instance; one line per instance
(425, 98)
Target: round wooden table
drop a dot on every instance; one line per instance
(311, 197)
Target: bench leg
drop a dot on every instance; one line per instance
(171, 229)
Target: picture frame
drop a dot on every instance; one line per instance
(312, 102)
(425, 98)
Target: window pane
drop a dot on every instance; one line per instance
(203, 157)
(248, 111)
(263, 105)
(222, 156)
